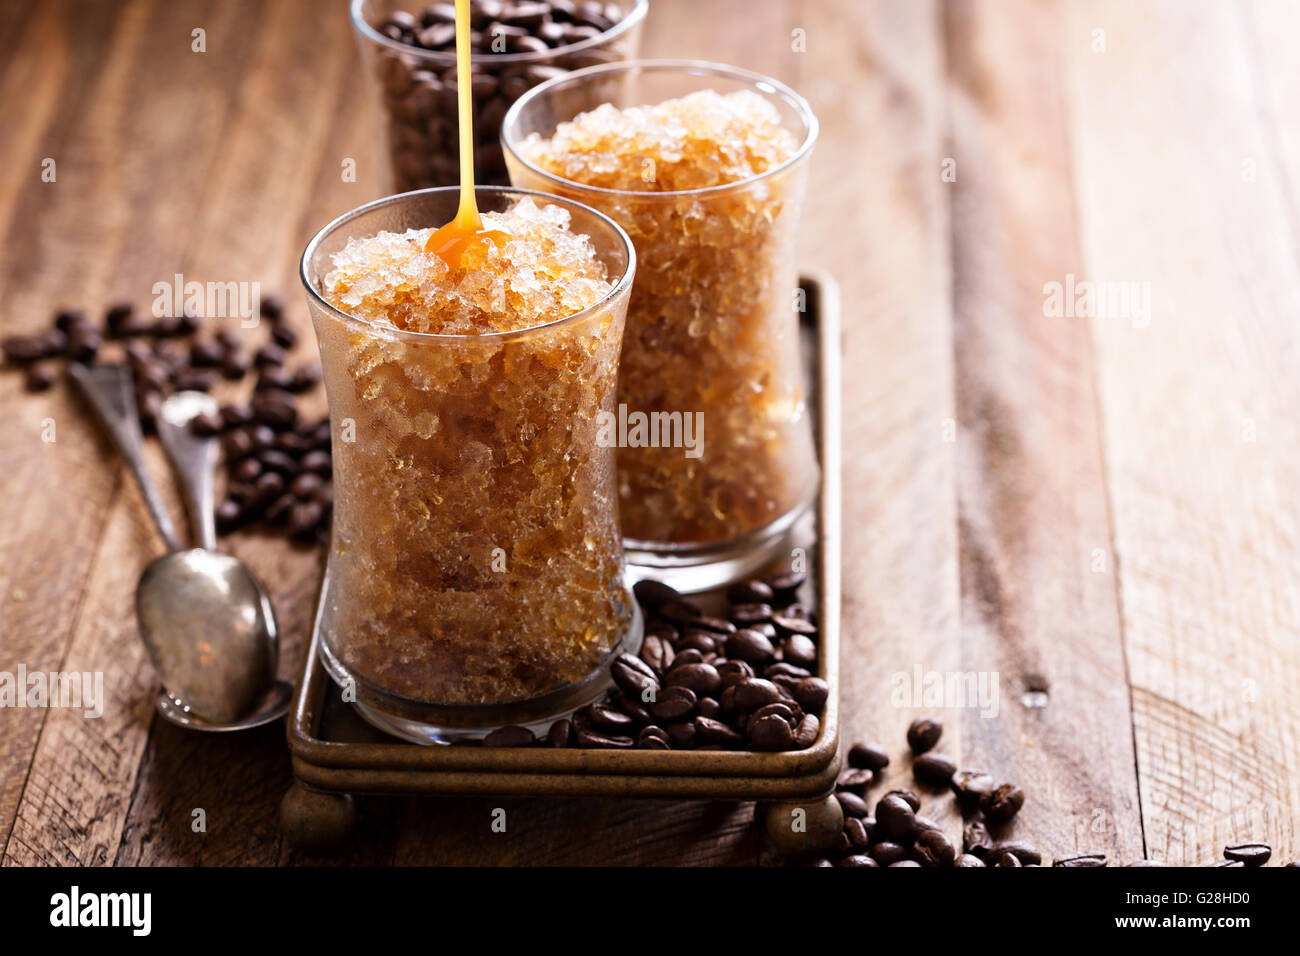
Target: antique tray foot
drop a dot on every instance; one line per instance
(316, 821)
(800, 828)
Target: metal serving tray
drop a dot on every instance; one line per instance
(336, 754)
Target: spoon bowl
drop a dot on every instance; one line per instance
(207, 624)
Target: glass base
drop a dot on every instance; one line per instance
(424, 723)
(691, 568)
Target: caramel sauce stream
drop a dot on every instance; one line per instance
(465, 232)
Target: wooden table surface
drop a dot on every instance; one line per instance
(1102, 511)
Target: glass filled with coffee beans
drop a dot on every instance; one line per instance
(409, 51)
(704, 165)
(476, 570)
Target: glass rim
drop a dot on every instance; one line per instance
(621, 287)
(448, 57)
(765, 84)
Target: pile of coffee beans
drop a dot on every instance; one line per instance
(744, 681)
(419, 91)
(896, 833)
(278, 464)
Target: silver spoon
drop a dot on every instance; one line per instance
(205, 619)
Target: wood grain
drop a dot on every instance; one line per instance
(1039, 607)
(1190, 186)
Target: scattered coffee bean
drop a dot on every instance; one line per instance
(868, 756)
(1003, 803)
(1251, 854)
(933, 770)
(509, 736)
(923, 734)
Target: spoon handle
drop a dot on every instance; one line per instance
(111, 393)
(194, 457)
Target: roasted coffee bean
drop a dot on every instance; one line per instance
(887, 852)
(206, 424)
(710, 731)
(1251, 854)
(745, 615)
(975, 838)
(633, 707)
(970, 787)
(895, 818)
(688, 655)
(117, 318)
(633, 675)
(274, 377)
(771, 734)
(679, 612)
(560, 734)
(749, 646)
(83, 344)
(1003, 803)
(701, 678)
(749, 592)
(709, 707)
(799, 651)
(1022, 851)
(1082, 860)
(593, 739)
(193, 380)
(787, 685)
(38, 377)
(855, 781)
(229, 516)
(306, 485)
(933, 848)
(280, 509)
(236, 416)
(271, 306)
(812, 693)
(275, 460)
(654, 594)
(238, 444)
(234, 366)
(657, 652)
(805, 733)
(317, 461)
(305, 520)
(923, 734)
(780, 709)
(858, 831)
(852, 804)
(305, 377)
(206, 354)
(933, 770)
(858, 859)
(785, 585)
(21, 349)
(702, 641)
(868, 756)
(608, 719)
(966, 860)
(283, 335)
(269, 356)
(653, 738)
(910, 796)
(733, 672)
(275, 409)
(509, 736)
(787, 626)
(246, 470)
(674, 703)
(755, 692)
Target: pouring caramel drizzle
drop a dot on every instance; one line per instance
(465, 232)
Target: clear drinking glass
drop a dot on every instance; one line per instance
(416, 91)
(713, 331)
(476, 569)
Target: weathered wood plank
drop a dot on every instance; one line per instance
(1188, 179)
(1039, 599)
